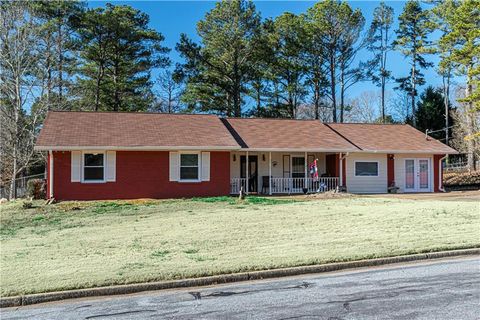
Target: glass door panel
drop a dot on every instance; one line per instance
(410, 174)
(423, 174)
(298, 167)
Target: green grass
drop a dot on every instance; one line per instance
(85, 244)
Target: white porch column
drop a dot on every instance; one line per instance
(270, 173)
(306, 170)
(50, 175)
(246, 173)
(340, 181)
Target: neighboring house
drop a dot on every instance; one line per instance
(108, 155)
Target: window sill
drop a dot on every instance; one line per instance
(94, 181)
(189, 181)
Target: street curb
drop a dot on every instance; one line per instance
(29, 299)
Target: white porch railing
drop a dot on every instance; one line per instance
(236, 184)
(290, 185)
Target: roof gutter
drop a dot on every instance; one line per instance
(135, 148)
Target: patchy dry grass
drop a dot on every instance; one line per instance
(85, 244)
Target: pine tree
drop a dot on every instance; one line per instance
(337, 25)
(412, 41)
(217, 71)
(380, 44)
(119, 52)
(287, 68)
(430, 113)
(463, 19)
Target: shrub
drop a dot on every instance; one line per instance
(27, 205)
(36, 188)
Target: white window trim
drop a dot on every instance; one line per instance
(199, 167)
(371, 176)
(82, 173)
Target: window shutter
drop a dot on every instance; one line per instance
(174, 166)
(76, 166)
(111, 165)
(205, 166)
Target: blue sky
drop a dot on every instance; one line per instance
(172, 18)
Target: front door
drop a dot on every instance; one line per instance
(298, 174)
(417, 175)
(252, 172)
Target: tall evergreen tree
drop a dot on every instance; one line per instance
(217, 71)
(430, 113)
(463, 19)
(119, 51)
(287, 38)
(58, 48)
(380, 43)
(412, 41)
(334, 21)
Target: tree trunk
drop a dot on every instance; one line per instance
(116, 97)
(316, 99)
(332, 86)
(446, 93)
(16, 117)
(470, 114)
(342, 93)
(383, 99)
(413, 83)
(97, 89)
(60, 60)
(49, 70)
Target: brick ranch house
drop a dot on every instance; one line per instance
(110, 155)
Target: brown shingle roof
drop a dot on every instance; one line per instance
(275, 134)
(389, 138)
(119, 130)
(133, 130)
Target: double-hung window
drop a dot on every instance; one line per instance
(189, 166)
(94, 167)
(366, 169)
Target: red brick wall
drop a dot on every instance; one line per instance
(436, 168)
(390, 170)
(143, 174)
(333, 169)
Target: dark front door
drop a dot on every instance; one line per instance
(252, 171)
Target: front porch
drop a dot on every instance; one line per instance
(284, 172)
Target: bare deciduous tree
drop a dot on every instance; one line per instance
(169, 92)
(18, 87)
(365, 108)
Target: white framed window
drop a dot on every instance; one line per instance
(189, 167)
(366, 168)
(93, 167)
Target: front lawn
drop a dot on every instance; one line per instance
(84, 244)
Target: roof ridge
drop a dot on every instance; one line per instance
(367, 123)
(134, 113)
(341, 135)
(283, 119)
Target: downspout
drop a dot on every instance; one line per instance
(440, 170)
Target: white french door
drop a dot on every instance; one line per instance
(417, 175)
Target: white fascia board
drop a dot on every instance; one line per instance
(297, 150)
(407, 151)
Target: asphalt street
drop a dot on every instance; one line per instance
(443, 289)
